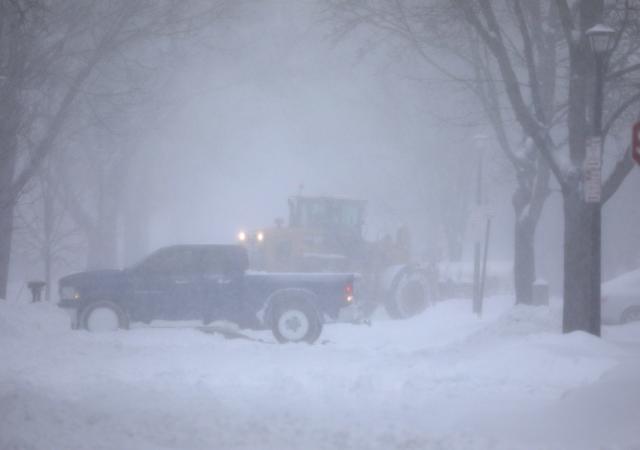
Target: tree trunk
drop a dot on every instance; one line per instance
(48, 242)
(528, 200)
(579, 250)
(524, 266)
(8, 155)
(6, 215)
(6, 233)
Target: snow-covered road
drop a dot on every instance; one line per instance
(444, 380)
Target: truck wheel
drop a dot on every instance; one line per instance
(103, 317)
(410, 294)
(295, 321)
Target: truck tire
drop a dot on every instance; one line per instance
(295, 320)
(410, 293)
(103, 316)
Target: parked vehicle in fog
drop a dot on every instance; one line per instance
(621, 299)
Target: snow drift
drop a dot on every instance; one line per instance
(445, 379)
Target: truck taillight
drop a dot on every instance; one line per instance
(348, 292)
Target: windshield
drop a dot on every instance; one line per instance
(328, 214)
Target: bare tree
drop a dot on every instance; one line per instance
(531, 63)
(43, 230)
(49, 52)
(581, 252)
(436, 34)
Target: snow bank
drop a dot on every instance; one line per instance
(626, 284)
(629, 332)
(444, 380)
(523, 320)
(20, 319)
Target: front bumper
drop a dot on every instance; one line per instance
(69, 303)
(72, 308)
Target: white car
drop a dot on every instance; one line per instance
(621, 299)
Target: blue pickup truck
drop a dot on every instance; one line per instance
(208, 283)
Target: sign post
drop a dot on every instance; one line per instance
(635, 143)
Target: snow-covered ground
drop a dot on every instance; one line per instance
(444, 380)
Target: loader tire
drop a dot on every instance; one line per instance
(410, 294)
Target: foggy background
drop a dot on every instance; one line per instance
(269, 104)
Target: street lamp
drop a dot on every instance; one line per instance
(601, 40)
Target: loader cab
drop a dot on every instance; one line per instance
(330, 231)
(329, 215)
(324, 234)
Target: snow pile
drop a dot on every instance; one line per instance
(626, 284)
(522, 351)
(629, 332)
(444, 380)
(20, 319)
(499, 276)
(523, 320)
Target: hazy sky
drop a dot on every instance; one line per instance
(278, 105)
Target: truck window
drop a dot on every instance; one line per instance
(230, 260)
(171, 260)
(213, 263)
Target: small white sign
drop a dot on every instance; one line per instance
(592, 169)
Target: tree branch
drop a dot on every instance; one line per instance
(566, 21)
(618, 112)
(622, 72)
(530, 62)
(46, 144)
(531, 126)
(617, 176)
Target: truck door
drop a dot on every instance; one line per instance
(222, 287)
(167, 285)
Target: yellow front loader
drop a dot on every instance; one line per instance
(325, 234)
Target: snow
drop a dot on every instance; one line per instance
(600, 28)
(619, 295)
(463, 271)
(443, 380)
(626, 284)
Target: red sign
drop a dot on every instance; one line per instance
(635, 142)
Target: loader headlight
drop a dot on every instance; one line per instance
(260, 236)
(242, 236)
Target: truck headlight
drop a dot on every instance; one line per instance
(69, 293)
(242, 236)
(260, 236)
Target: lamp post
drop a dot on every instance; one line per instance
(601, 40)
